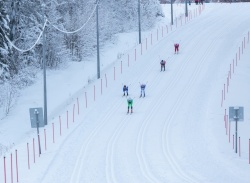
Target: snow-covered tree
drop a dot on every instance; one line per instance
(4, 45)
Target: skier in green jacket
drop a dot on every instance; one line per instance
(130, 104)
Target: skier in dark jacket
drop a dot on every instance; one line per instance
(163, 63)
(176, 48)
(125, 90)
(143, 86)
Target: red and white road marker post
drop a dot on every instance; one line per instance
(16, 167)
(34, 152)
(4, 167)
(94, 92)
(28, 153)
(249, 150)
(73, 115)
(11, 168)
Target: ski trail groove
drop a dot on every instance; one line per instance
(169, 121)
(147, 119)
(75, 177)
(110, 151)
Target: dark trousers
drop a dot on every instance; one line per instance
(142, 92)
(162, 67)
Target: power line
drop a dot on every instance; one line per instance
(77, 30)
(22, 50)
(41, 33)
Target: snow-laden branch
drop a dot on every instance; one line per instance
(77, 30)
(25, 50)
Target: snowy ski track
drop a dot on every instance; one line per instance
(111, 152)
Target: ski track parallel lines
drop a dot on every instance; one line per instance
(80, 159)
(147, 118)
(110, 151)
(169, 122)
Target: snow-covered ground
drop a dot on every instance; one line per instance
(176, 134)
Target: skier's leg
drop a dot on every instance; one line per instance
(128, 108)
(131, 109)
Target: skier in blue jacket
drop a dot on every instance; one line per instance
(143, 86)
(125, 90)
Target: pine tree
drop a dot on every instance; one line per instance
(14, 35)
(4, 45)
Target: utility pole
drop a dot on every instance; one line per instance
(186, 9)
(172, 19)
(44, 68)
(139, 17)
(97, 47)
